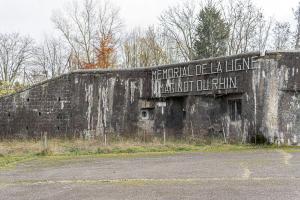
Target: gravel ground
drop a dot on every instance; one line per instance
(231, 175)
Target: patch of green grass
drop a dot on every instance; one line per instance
(74, 150)
(14, 152)
(289, 149)
(7, 162)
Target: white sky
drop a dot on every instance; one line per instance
(32, 17)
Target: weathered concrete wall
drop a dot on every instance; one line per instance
(88, 103)
(44, 107)
(210, 84)
(234, 98)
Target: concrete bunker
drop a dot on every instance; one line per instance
(236, 98)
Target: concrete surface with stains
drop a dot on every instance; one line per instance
(242, 98)
(232, 175)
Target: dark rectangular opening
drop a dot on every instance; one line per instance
(175, 115)
(235, 109)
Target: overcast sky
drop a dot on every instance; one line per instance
(33, 16)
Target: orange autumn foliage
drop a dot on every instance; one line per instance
(104, 55)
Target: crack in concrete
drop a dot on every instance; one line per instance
(141, 181)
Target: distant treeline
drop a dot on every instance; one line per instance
(91, 34)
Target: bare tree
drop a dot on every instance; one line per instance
(85, 25)
(247, 26)
(249, 30)
(76, 23)
(281, 35)
(145, 48)
(297, 18)
(261, 40)
(130, 49)
(179, 25)
(51, 58)
(15, 53)
(155, 43)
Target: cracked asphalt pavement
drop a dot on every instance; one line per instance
(258, 174)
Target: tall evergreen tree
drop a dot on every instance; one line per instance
(211, 34)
